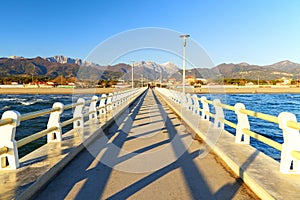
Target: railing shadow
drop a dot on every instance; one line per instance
(228, 191)
(81, 174)
(196, 182)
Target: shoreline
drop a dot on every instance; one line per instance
(254, 90)
(212, 90)
(57, 90)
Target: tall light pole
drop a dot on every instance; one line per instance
(142, 80)
(132, 63)
(185, 36)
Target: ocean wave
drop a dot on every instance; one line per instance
(27, 103)
(8, 99)
(5, 107)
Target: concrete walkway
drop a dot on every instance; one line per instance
(146, 154)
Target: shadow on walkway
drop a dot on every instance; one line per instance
(87, 177)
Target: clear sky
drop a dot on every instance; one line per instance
(254, 31)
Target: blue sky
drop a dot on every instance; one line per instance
(254, 31)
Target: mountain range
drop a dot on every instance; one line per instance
(74, 67)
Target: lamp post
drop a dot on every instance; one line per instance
(185, 36)
(132, 63)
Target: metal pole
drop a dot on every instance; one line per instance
(184, 61)
(132, 63)
(160, 77)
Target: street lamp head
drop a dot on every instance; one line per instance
(184, 36)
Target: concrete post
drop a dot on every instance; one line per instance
(54, 121)
(78, 123)
(7, 136)
(196, 105)
(291, 138)
(189, 102)
(102, 109)
(93, 109)
(219, 114)
(109, 102)
(205, 109)
(243, 122)
(114, 100)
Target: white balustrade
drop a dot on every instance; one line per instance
(102, 109)
(219, 114)
(109, 102)
(290, 149)
(8, 133)
(205, 109)
(196, 107)
(93, 109)
(291, 138)
(54, 121)
(78, 115)
(242, 123)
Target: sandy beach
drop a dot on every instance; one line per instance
(213, 90)
(57, 90)
(248, 90)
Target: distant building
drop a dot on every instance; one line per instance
(203, 80)
(285, 81)
(122, 84)
(190, 80)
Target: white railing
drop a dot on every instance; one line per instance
(98, 108)
(290, 149)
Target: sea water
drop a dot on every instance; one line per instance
(272, 104)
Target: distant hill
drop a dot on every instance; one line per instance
(278, 70)
(64, 60)
(36, 67)
(55, 66)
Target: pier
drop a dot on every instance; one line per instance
(149, 144)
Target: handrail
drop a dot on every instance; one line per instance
(208, 101)
(69, 121)
(6, 121)
(259, 115)
(229, 123)
(243, 125)
(295, 154)
(228, 107)
(3, 150)
(72, 105)
(251, 113)
(39, 113)
(210, 114)
(263, 139)
(293, 124)
(34, 136)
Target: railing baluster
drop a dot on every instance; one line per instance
(54, 121)
(291, 139)
(243, 122)
(205, 109)
(78, 124)
(219, 114)
(7, 140)
(93, 109)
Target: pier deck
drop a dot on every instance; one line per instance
(146, 154)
